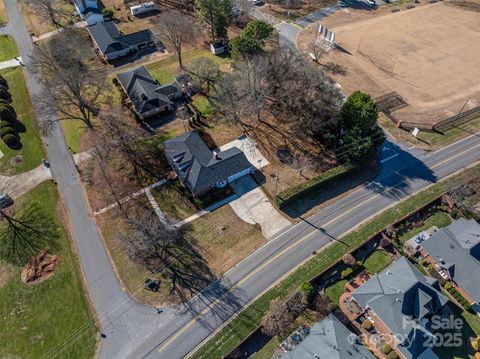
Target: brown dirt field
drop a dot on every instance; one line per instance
(427, 55)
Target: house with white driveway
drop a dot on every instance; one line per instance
(88, 11)
(200, 169)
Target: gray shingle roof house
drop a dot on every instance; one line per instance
(88, 11)
(330, 339)
(113, 44)
(146, 94)
(200, 169)
(456, 249)
(403, 299)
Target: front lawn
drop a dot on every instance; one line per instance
(54, 315)
(7, 44)
(165, 69)
(202, 104)
(335, 290)
(73, 130)
(31, 151)
(173, 203)
(439, 219)
(249, 319)
(376, 261)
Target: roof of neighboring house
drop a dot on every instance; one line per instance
(456, 248)
(109, 39)
(330, 339)
(402, 296)
(143, 90)
(197, 166)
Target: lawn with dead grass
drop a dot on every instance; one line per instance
(220, 237)
(430, 141)
(37, 25)
(306, 8)
(3, 14)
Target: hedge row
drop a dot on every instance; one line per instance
(326, 179)
(458, 297)
(7, 116)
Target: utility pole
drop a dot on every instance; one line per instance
(276, 184)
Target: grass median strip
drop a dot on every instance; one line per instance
(249, 319)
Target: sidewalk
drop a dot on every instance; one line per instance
(11, 63)
(47, 35)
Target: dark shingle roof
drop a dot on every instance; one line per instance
(456, 248)
(109, 39)
(401, 296)
(143, 90)
(197, 166)
(330, 339)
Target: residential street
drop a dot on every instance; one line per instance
(137, 331)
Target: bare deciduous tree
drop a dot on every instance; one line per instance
(49, 10)
(206, 73)
(177, 30)
(23, 231)
(166, 250)
(282, 314)
(73, 84)
(280, 85)
(316, 51)
(321, 306)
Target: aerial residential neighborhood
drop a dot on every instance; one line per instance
(213, 179)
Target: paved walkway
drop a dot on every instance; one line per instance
(15, 186)
(47, 35)
(10, 63)
(253, 206)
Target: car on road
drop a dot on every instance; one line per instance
(371, 2)
(255, 2)
(5, 201)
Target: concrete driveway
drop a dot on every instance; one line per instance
(253, 207)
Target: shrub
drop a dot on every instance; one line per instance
(447, 285)
(430, 268)
(348, 259)
(4, 102)
(477, 355)
(454, 213)
(115, 81)
(346, 272)
(474, 343)
(108, 12)
(10, 140)
(308, 291)
(5, 124)
(4, 95)
(7, 113)
(386, 348)
(367, 325)
(3, 82)
(6, 130)
(424, 262)
(392, 355)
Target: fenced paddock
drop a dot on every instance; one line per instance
(422, 63)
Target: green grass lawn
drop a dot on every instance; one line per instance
(202, 104)
(470, 328)
(335, 290)
(439, 219)
(32, 149)
(249, 319)
(8, 48)
(37, 319)
(431, 140)
(376, 261)
(73, 130)
(164, 70)
(173, 203)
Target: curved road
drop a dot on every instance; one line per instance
(136, 331)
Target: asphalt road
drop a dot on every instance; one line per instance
(136, 331)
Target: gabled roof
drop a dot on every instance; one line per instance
(143, 90)
(402, 297)
(109, 39)
(197, 166)
(456, 248)
(330, 339)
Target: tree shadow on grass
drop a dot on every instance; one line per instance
(25, 233)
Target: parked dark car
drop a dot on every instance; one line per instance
(5, 201)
